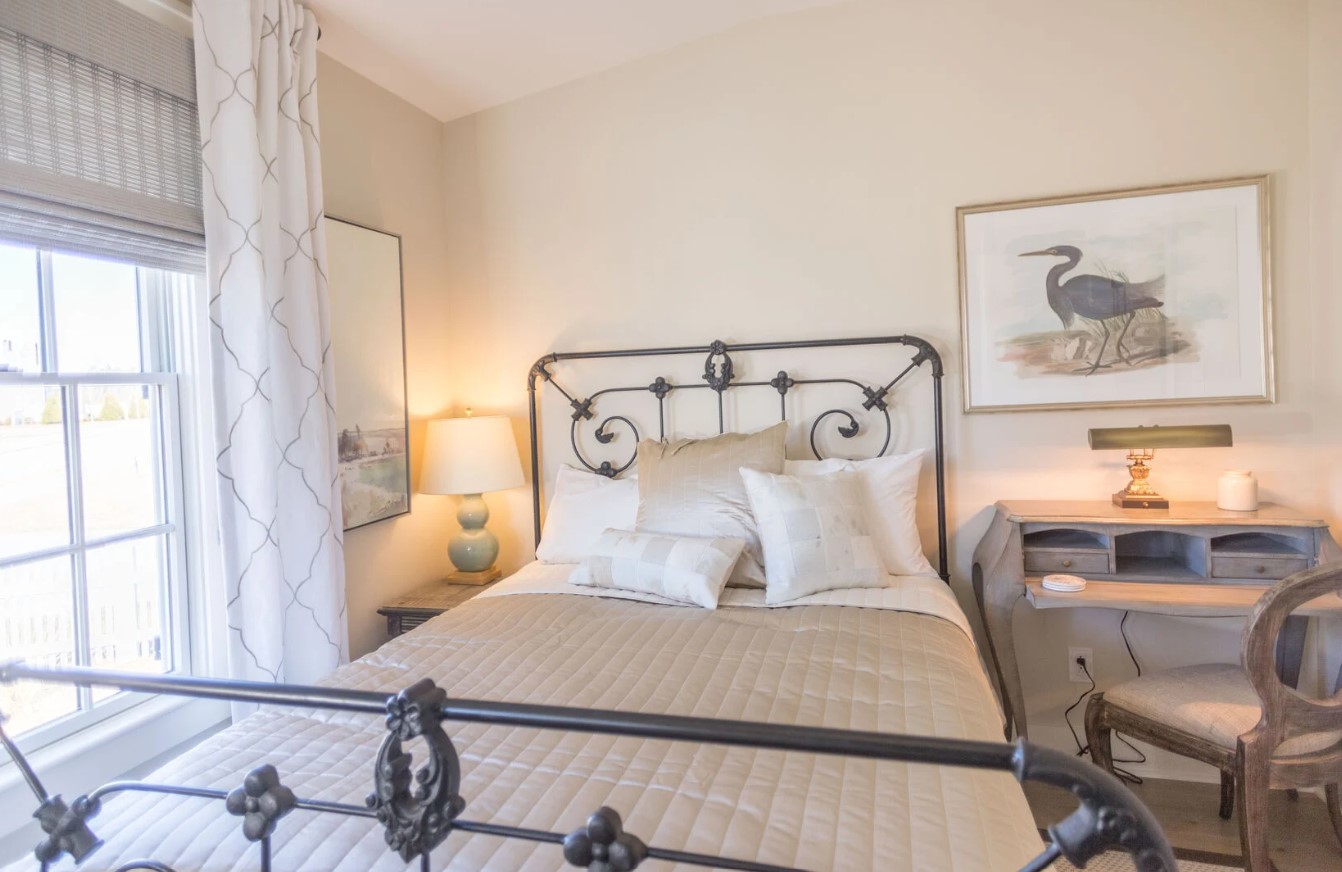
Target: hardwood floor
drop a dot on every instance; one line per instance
(1301, 838)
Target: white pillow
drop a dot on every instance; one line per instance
(584, 505)
(680, 568)
(692, 487)
(890, 491)
(814, 534)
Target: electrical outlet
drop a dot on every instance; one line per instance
(1074, 670)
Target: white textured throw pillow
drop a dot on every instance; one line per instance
(890, 491)
(693, 487)
(814, 534)
(584, 506)
(684, 569)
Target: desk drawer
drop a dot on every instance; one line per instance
(1067, 561)
(1256, 567)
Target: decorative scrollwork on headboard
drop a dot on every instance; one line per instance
(720, 375)
(605, 436)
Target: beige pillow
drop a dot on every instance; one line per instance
(693, 487)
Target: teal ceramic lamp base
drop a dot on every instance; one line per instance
(474, 549)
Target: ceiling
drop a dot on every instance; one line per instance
(454, 57)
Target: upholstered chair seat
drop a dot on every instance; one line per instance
(1214, 702)
(1241, 718)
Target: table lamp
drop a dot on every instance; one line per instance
(1142, 443)
(467, 457)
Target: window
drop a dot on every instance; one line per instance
(92, 556)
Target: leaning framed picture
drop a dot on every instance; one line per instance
(368, 341)
(1126, 298)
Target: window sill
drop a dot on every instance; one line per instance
(102, 752)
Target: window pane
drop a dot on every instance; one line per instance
(97, 314)
(34, 504)
(20, 318)
(37, 625)
(126, 607)
(120, 458)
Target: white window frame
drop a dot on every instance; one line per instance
(160, 319)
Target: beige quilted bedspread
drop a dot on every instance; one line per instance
(859, 668)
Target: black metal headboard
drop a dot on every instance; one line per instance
(720, 376)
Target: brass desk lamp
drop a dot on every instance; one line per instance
(1142, 443)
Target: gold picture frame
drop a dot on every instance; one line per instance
(1175, 260)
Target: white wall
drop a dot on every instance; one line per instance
(798, 178)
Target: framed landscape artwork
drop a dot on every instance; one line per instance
(368, 341)
(1142, 297)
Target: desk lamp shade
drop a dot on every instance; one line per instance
(1142, 442)
(471, 456)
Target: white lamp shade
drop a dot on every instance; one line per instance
(470, 456)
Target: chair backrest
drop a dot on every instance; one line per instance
(1287, 713)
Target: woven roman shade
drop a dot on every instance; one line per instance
(99, 138)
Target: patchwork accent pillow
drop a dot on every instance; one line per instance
(890, 504)
(814, 534)
(687, 570)
(693, 487)
(583, 507)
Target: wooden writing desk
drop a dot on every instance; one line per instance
(1189, 559)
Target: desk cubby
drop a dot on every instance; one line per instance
(1160, 555)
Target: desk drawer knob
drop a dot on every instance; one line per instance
(1260, 569)
(1066, 564)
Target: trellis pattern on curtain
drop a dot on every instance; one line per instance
(280, 524)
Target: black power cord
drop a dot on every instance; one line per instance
(1067, 715)
(1126, 644)
(1083, 749)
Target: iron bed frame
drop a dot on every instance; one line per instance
(419, 808)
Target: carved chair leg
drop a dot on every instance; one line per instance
(1334, 794)
(1227, 794)
(1251, 788)
(1098, 733)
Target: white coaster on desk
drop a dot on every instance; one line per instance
(1064, 583)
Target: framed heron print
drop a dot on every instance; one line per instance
(368, 341)
(1152, 296)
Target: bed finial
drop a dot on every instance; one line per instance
(261, 801)
(602, 845)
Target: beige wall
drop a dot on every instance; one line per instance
(382, 166)
(798, 178)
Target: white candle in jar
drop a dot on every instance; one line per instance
(1237, 491)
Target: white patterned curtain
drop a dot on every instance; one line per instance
(280, 524)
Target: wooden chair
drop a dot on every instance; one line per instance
(1260, 733)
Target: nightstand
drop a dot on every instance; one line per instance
(429, 601)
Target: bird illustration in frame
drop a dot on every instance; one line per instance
(1096, 298)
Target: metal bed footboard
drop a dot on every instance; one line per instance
(419, 808)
